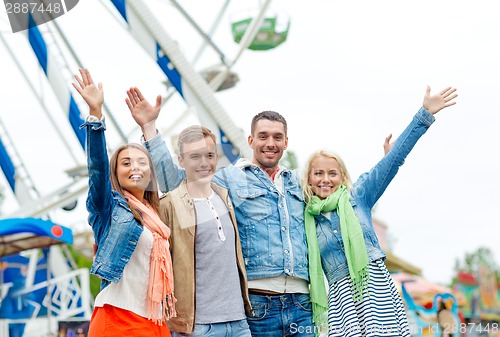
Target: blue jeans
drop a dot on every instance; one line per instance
(281, 315)
(226, 329)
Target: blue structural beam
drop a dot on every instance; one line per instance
(7, 167)
(49, 66)
(154, 49)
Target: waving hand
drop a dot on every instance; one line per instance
(94, 96)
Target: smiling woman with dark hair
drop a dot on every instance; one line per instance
(132, 258)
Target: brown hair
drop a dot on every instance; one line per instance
(151, 192)
(269, 115)
(346, 178)
(193, 133)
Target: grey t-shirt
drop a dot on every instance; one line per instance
(218, 291)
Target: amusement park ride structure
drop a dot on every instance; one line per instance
(57, 59)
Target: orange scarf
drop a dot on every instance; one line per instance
(161, 280)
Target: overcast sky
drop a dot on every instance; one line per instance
(350, 73)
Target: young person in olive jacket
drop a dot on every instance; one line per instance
(209, 273)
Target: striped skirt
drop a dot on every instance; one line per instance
(381, 313)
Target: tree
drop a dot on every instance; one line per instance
(289, 160)
(83, 261)
(472, 261)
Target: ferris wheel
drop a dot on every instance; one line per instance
(57, 55)
(49, 57)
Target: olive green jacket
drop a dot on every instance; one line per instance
(178, 213)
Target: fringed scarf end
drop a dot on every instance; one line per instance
(154, 313)
(169, 307)
(359, 284)
(320, 320)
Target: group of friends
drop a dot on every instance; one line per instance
(246, 250)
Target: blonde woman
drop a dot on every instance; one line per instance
(362, 299)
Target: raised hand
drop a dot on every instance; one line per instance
(143, 112)
(444, 99)
(387, 144)
(94, 96)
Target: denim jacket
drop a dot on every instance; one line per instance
(364, 194)
(270, 222)
(116, 231)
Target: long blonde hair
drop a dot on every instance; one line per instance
(151, 192)
(306, 188)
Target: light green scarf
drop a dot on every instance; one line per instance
(354, 247)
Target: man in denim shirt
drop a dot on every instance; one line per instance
(269, 209)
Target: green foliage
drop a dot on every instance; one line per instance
(83, 261)
(472, 261)
(289, 160)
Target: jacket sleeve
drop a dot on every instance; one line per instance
(99, 198)
(221, 176)
(371, 185)
(169, 176)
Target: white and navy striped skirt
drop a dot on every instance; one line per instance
(381, 313)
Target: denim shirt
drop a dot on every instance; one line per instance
(116, 232)
(364, 194)
(270, 222)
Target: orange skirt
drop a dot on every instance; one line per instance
(109, 321)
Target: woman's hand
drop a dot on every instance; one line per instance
(435, 103)
(94, 96)
(388, 144)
